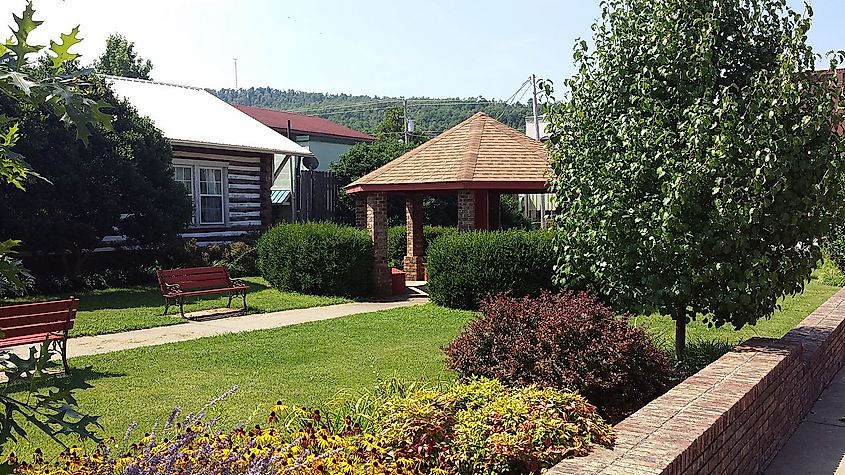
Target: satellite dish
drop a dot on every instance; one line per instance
(310, 163)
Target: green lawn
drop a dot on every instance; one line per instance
(705, 345)
(133, 308)
(302, 364)
(310, 363)
(793, 310)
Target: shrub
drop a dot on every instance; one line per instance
(483, 427)
(464, 267)
(397, 242)
(317, 258)
(700, 353)
(241, 259)
(480, 427)
(830, 274)
(566, 340)
(833, 247)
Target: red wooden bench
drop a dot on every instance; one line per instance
(37, 322)
(178, 284)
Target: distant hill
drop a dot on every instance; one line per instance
(430, 116)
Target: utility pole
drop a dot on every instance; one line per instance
(537, 134)
(236, 73)
(534, 107)
(405, 118)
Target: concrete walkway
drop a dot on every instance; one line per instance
(191, 330)
(818, 445)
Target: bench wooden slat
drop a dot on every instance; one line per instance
(25, 320)
(202, 284)
(38, 307)
(191, 271)
(38, 328)
(195, 277)
(34, 338)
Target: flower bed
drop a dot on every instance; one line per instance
(476, 427)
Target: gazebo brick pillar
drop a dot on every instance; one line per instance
(377, 227)
(361, 211)
(466, 210)
(414, 253)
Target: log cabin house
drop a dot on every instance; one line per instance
(223, 156)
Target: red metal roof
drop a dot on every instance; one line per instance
(303, 124)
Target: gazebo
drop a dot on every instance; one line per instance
(478, 160)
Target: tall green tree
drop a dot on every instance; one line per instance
(121, 183)
(50, 405)
(121, 59)
(696, 160)
(392, 125)
(57, 88)
(359, 160)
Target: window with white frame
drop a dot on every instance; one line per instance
(211, 195)
(205, 185)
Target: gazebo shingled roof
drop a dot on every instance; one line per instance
(479, 153)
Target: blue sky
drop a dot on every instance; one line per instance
(435, 48)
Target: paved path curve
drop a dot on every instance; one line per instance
(191, 330)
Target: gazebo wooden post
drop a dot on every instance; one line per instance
(360, 210)
(377, 226)
(466, 210)
(494, 210)
(414, 260)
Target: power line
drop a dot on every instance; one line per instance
(339, 106)
(356, 111)
(427, 104)
(397, 102)
(508, 102)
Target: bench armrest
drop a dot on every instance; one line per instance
(239, 283)
(173, 288)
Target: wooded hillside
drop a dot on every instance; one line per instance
(361, 112)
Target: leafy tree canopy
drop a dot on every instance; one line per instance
(121, 181)
(121, 59)
(392, 125)
(696, 159)
(59, 89)
(49, 406)
(359, 160)
(363, 158)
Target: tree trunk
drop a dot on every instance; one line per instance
(680, 317)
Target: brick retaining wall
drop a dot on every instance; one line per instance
(733, 416)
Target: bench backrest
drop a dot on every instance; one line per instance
(195, 278)
(37, 319)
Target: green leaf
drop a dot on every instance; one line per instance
(25, 25)
(62, 55)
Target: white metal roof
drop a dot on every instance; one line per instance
(194, 116)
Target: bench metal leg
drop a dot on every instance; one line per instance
(64, 355)
(229, 305)
(166, 305)
(182, 307)
(244, 296)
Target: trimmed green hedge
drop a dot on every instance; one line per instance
(465, 267)
(317, 258)
(397, 242)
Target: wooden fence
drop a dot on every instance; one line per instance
(317, 196)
